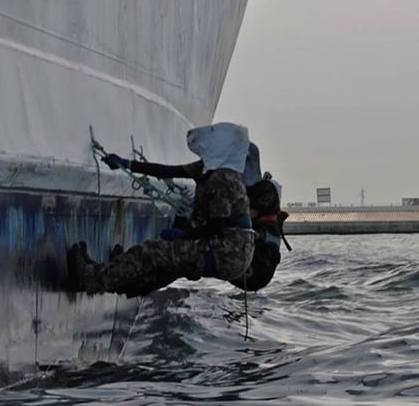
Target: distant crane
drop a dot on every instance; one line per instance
(363, 192)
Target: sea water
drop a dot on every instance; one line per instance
(338, 325)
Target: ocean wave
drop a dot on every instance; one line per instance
(330, 329)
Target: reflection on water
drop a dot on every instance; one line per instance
(338, 326)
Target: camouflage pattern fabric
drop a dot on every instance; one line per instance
(232, 252)
(158, 263)
(220, 193)
(265, 260)
(143, 269)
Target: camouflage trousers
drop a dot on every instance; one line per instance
(158, 263)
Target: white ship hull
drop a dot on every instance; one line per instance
(147, 68)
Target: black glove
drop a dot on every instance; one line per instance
(115, 161)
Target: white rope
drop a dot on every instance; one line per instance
(137, 317)
(99, 199)
(99, 233)
(115, 318)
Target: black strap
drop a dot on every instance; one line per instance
(210, 270)
(287, 244)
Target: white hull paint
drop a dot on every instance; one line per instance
(150, 68)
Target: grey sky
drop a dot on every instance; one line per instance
(330, 92)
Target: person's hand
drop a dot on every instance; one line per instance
(115, 161)
(171, 234)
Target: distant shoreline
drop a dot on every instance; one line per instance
(352, 220)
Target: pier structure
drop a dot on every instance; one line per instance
(352, 220)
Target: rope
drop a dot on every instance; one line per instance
(171, 185)
(115, 317)
(97, 172)
(246, 309)
(182, 203)
(99, 229)
(99, 197)
(137, 317)
(36, 325)
(154, 219)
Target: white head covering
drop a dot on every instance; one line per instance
(252, 172)
(222, 145)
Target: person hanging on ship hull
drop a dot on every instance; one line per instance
(220, 242)
(264, 195)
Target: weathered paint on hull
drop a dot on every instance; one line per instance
(39, 321)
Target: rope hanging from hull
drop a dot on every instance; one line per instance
(176, 196)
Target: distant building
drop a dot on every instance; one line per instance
(324, 195)
(311, 204)
(410, 201)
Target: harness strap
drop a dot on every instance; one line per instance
(269, 218)
(279, 220)
(242, 221)
(210, 268)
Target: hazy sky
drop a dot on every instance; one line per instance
(330, 92)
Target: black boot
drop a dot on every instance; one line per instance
(116, 251)
(76, 264)
(85, 254)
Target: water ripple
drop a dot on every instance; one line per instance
(337, 326)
